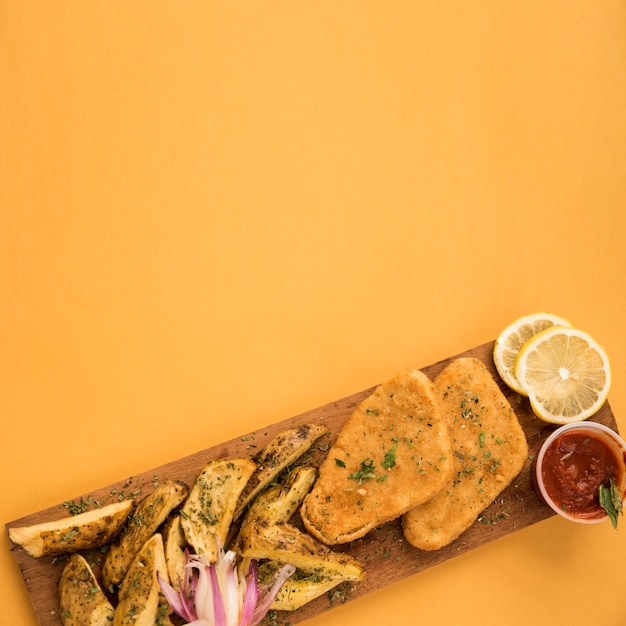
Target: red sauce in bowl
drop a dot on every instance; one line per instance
(574, 466)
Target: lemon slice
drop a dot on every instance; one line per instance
(513, 337)
(565, 373)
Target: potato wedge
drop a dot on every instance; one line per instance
(141, 602)
(207, 513)
(175, 543)
(81, 600)
(283, 450)
(73, 533)
(150, 513)
(298, 589)
(283, 542)
(280, 502)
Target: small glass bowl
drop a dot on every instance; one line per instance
(600, 432)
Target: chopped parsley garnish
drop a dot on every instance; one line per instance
(367, 468)
(390, 458)
(76, 508)
(366, 471)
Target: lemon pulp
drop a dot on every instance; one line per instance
(565, 373)
(512, 339)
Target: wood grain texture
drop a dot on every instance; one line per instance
(387, 558)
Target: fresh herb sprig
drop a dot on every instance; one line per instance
(611, 501)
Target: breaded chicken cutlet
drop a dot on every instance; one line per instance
(392, 454)
(489, 449)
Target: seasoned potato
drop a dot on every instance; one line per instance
(283, 542)
(73, 533)
(282, 451)
(208, 511)
(81, 600)
(175, 543)
(298, 589)
(150, 513)
(279, 502)
(141, 602)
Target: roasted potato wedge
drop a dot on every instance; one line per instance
(279, 502)
(84, 531)
(81, 600)
(150, 513)
(299, 589)
(175, 543)
(207, 513)
(141, 602)
(283, 450)
(283, 542)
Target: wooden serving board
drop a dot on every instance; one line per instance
(386, 556)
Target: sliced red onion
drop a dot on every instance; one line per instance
(251, 596)
(181, 603)
(215, 594)
(268, 593)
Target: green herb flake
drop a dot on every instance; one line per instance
(339, 463)
(76, 508)
(70, 534)
(366, 471)
(390, 458)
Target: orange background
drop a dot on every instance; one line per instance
(217, 215)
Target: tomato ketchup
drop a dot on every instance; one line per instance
(573, 467)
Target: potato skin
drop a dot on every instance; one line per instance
(140, 600)
(150, 513)
(73, 533)
(81, 600)
(175, 544)
(265, 539)
(295, 593)
(279, 502)
(298, 590)
(285, 449)
(208, 512)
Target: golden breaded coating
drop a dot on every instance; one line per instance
(392, 454)
(489, 450)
